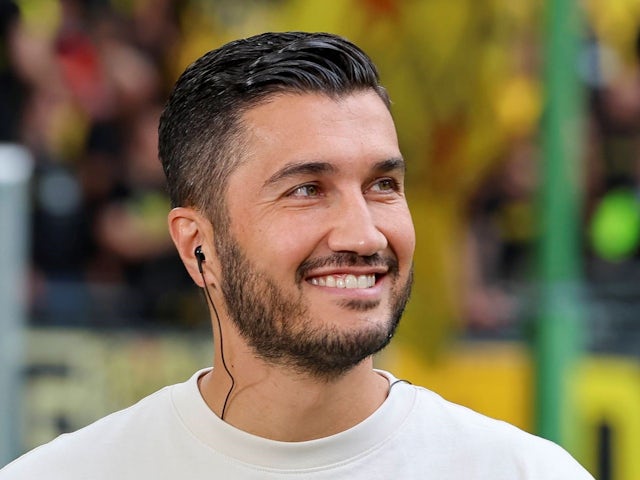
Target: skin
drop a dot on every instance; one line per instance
(320, 176)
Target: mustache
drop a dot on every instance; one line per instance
(347, 259)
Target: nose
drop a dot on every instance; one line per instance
(354, 228)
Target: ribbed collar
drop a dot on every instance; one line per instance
(275, 455)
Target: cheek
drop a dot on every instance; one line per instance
(401, 237)
(397, 226)
(282, 245)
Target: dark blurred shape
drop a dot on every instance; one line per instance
(12, 88)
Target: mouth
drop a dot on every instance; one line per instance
(347, 271)
(349, 281)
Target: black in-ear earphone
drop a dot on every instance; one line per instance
(201, 259)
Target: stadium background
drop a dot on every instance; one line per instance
(111, 314)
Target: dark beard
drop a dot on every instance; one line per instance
(278, 327)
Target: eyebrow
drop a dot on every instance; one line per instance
(303, 168)
(391, 164)
(314, 168)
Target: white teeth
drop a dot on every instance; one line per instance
(351, 281)
(345, 281)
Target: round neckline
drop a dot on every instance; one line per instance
(264, 453)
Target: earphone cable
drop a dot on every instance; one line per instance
(224, 363)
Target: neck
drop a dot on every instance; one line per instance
(274, 402)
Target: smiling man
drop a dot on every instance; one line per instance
(289, 211)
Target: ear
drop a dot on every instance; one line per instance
(190, 229)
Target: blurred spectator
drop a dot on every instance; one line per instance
(500, 239)
(12, 87)
(614, 141)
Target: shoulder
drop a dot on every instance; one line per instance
(75, 455)
(456, 428)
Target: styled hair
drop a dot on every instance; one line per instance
(200, 133)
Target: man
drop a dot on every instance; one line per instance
(289, 211)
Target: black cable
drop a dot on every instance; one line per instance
(401, 380)
(224, 364)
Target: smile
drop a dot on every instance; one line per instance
(344, 281)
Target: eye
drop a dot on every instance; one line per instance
(385, 185)
(308, 190)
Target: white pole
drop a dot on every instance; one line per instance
(16, 169)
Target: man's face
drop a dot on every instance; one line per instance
(317, 260)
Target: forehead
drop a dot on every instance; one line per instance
(348, 132)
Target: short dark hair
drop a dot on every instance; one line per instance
(200, 129)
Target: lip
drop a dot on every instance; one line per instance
(322, 272)
(354, 293)
(346, 263)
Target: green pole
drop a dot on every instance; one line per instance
(557, 342)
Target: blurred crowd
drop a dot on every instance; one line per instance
(503, 226)
(82, 84)
(83, 92)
